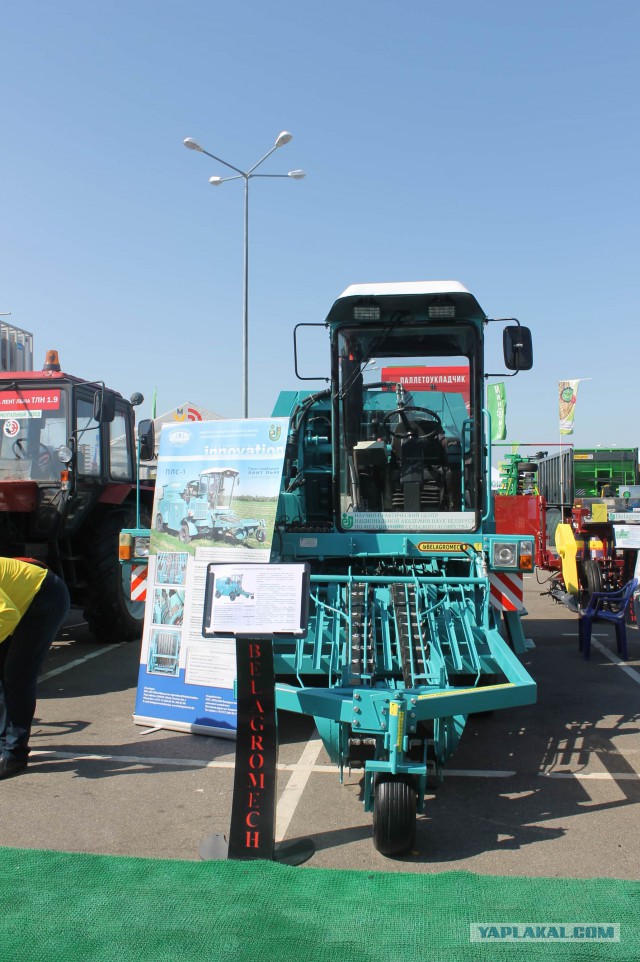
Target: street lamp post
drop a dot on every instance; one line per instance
(282, 139)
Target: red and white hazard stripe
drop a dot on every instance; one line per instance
(507, 590)
(139, 582)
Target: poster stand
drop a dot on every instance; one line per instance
(253, 809)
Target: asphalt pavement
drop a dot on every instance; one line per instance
(546, 790)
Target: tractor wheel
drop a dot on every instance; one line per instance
(590, 577)
(394, 814)
(217, 594)
(240, 534)
(110, 613)
(159, 522)
(260, 535)
(232, 596)
(184, 536)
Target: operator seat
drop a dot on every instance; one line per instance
(422, 461)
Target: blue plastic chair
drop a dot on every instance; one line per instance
(617, 604)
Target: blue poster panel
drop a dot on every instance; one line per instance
(215, 502)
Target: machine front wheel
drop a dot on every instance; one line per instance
(183, 535)
(394, 814)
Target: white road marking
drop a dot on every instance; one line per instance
(634, 675)
(300, 774)
(79, 661)
(595, 776)
(307, 766)
(631, 672)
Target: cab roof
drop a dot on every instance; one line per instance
(406, 295)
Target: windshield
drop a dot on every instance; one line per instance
(34, 427)
(406, 413)
(217, 487)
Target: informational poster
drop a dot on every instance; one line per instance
(256, 599)
(215, 503)
(627, 535)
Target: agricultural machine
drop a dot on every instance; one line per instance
(386, 494)
(68, 482)
(586, 541)
(203, 509)
(168, 607)
(164, 652)
(231, 588)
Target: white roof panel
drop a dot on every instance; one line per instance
(404, 287)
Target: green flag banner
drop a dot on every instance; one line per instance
(497, 407)
(567, 397)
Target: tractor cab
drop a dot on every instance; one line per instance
(408, 402)
(63, 443)
(216, 486)
(397, 443)
(58, 430)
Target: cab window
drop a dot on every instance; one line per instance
(120, 464)
(88, 439)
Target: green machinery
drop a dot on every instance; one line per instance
(518, 475)
(386, 494)
(598, 469)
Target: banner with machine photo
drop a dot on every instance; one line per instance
(215, 501)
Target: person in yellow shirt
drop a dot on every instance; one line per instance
(33, 605)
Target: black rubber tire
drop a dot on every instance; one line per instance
(260, 535)
(394, 814)
(232, 596)
(159, 522)
(183, 535)
(590, 577)
(110, 613)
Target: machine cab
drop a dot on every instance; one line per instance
(53, 423)
(407, 376)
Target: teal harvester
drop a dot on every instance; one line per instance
(386, 493)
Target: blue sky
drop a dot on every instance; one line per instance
(495, 144)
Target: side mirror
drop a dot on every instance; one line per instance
(104, 407)
(147, 440)
(518, 348)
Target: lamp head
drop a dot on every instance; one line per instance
(296, 174)
(215, 180)
(192, 144)
(283, 138)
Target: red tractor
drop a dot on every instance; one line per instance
(68, 483)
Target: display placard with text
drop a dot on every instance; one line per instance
(215, 502)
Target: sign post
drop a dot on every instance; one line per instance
(280, 595)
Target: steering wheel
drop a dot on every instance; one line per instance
(44, 454)
(408, 427)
